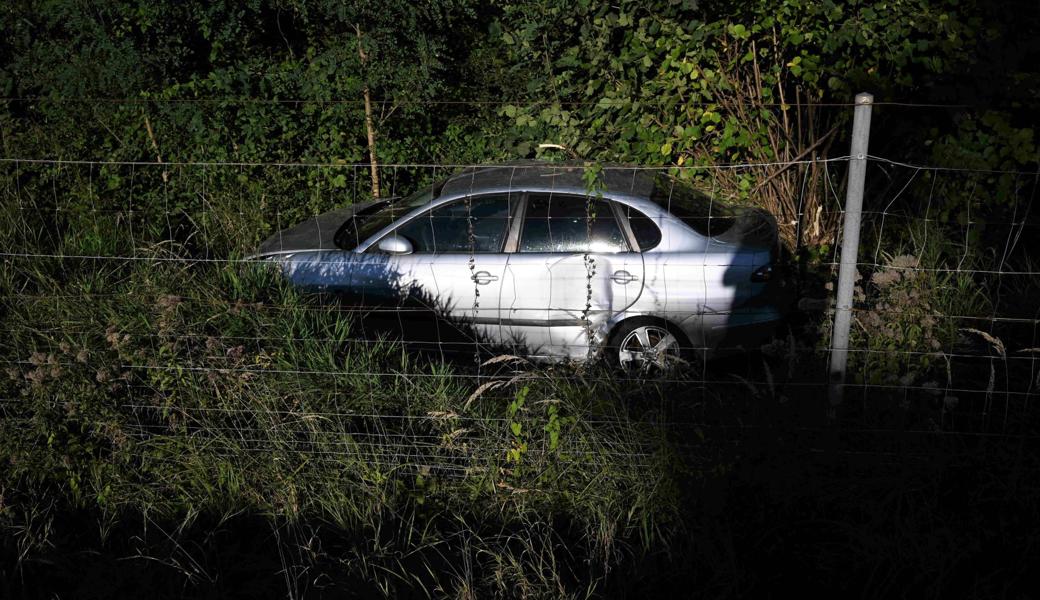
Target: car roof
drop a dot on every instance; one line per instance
(616, 179)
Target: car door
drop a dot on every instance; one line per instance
(449, 286)
(572, 272)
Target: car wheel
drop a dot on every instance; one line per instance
(646, 348)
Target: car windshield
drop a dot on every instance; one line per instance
(365, 223)
(706, 216)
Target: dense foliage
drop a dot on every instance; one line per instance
(683, 83)
(149, 376)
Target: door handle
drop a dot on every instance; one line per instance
(623, 277)
(483, 277)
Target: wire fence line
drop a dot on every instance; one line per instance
(741, 383)
(203, 338)
(452, 166)
(1004, 360)
(247, 260)
(129, 211)
(393, 166)
(300, 416)
(363, 308)
(422, 102)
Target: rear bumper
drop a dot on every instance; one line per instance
(742, 329)
(748, 332)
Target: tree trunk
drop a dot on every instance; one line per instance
(373, 161)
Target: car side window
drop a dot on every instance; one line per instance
(645, 230)
(570, 224)
(476, 224)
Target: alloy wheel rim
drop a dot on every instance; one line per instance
(649, 349)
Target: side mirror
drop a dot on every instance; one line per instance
(395, 244)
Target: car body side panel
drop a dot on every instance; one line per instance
(380, 279)
(320, 270)
(702, 285)
(462, 291)
(437, 295)
(552, 302)
(698, 291)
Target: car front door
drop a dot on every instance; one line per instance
(450, 284)
(572, 272)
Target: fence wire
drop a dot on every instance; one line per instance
(145, 294)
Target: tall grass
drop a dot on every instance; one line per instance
(185, 391)
(170, 387)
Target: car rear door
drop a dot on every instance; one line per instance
(572, 272)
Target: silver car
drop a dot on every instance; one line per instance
(553, 261)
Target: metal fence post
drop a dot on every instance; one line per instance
(849, 248)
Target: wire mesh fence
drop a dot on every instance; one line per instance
(485, 319)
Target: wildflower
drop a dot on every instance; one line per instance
(885, 278)
(36, 376)
(904, 261)
(113, 338)
(168, 302)
(236, 353)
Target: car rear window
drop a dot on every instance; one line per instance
(706, 216)
(647, 233)
(570, 224)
